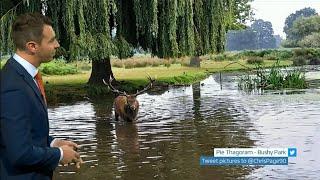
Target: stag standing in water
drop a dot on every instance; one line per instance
(126, 105)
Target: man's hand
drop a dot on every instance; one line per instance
(60, 142)
(70, 156)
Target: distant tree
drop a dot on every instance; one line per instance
(305, 12)
(264, 32)
(241, 40)
(278, 40)
(303, 27)
(258, 36)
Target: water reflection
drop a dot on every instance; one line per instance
(178, 126)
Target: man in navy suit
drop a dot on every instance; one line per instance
(26, 149)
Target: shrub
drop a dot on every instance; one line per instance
(314, 61)
(185, 62)
(140, 63)
(128, 64)
(306, 56)
(271, 56)
(117, 63)
(155, 62)
(309, 52)
(58, 67)
(312, 40)
(284, 54)
(255, 53)
(299, 60)
(254, 60)
(218, 57)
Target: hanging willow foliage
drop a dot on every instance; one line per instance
(85, 29)
(184, 27)
(166, 28)
(7, 18)
(6, 45)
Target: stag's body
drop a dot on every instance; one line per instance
(126, 107)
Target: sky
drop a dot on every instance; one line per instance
(276, 11)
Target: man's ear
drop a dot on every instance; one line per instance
(32, 46)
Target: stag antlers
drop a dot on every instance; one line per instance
(149, 86)
(112, 88)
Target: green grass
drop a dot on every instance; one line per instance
(175, 74)
(73, 86)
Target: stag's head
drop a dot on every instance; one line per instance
(126, 105)
(132, 103)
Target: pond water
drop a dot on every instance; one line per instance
(177, 126)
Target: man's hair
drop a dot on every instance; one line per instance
(28, 27)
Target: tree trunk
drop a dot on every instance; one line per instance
(101, 69)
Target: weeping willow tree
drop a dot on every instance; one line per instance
(97, 29)
(9, 9)
(84, 27)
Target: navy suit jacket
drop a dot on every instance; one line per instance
(25, 151)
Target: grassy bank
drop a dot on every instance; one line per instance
(70, 83)
(72, 87)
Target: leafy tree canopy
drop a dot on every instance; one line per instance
(305, 12)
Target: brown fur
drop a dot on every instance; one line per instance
(126, 107)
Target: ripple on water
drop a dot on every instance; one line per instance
(175, 128)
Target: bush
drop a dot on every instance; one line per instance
(256, 53)
(306, 56)
(254, 60)
(117, 63)
(224, 57)
(185, 62)
(82, 65)
(284, 54)
(308, 52)
(141, 63)
(218, 57)
(314, 61)
(299, 61)
(128, 64)
(58, 67)
(271, 56)
(312, 40)
(155, 63)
